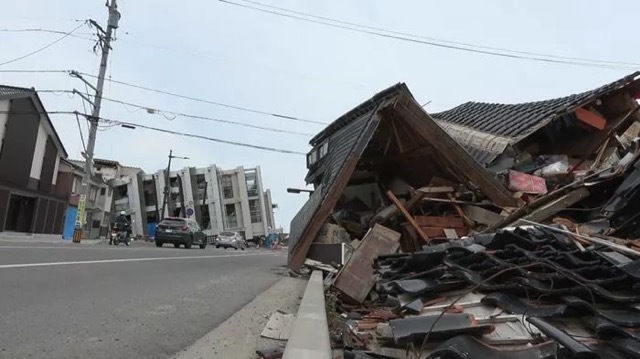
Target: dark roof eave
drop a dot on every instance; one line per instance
(23, 92)
(354, 113)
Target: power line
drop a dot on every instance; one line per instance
(47, 31)
(442, 40)
(390, 35)
(148, 109)
(37, 71)
(157, 129)
(42, 48)
(191, 135)
(153, 110)
(208, 101)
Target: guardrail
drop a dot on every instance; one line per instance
(309, 337)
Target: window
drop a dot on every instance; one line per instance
(252, 183)
(317, 153)
(149, 198)
(322, 151)
(201, 183)
(312, 157)
(227, 187)
(93, 194)
(230, 214)
(103, 191)
(77, 182)
(205, 217)
(254, 209)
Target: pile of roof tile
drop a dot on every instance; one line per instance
(486, 230)
(524, 292)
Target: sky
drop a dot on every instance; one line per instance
(234, 55)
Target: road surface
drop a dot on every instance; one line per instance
(75, 301)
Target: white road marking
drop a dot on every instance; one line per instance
(50, 264)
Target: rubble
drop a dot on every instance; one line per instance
(484, 231)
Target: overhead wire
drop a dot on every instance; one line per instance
(42, 48)
(191, 98)
(47, 31)
(36, 71)
(162, 130)
(172, 115)
(390, 35)
(191, 135)
(441, 40)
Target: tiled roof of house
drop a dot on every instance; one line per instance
(356, 113)
(8, 92)
(519, 120)
(12, 92)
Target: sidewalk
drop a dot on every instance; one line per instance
(44, 238)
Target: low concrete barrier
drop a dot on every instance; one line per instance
(309, 337)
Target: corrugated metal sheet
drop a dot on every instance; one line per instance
(519, 120)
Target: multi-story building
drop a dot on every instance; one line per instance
(30, 154)
(97, 205)
(126, 184)
(218, 199)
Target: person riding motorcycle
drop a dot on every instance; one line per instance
(121, 225)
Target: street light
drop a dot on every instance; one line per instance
(167, 189)
(299, 190)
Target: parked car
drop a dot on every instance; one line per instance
(180, 231)
(231, 240)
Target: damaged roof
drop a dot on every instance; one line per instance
(349, 136)
(519, 120)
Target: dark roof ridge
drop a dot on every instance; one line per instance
(355, 112)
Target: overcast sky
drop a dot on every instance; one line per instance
(238, 56)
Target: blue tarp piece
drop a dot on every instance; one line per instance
(69, 223)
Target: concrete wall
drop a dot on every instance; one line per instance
(214, 201)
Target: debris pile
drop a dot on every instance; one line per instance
(486, 230)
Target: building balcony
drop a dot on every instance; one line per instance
(122, 201)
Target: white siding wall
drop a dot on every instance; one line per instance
(38, 155)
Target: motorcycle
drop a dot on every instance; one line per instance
(120, 237)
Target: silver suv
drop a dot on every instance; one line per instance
(231, 240)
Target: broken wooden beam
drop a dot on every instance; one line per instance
(440, 189)
(407, 216)
(558, 205)
(481, 215)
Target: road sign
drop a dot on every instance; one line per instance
(189, 212)
(81, 211)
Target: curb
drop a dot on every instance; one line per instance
(309, 337)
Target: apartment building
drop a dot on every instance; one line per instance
(218, 199)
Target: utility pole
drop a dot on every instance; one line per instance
(106, 36)
(166, 201)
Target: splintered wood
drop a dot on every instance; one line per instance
(356, 278)
(407, 216)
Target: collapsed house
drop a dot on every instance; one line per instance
(453, 219)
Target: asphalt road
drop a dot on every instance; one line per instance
(74, 301)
